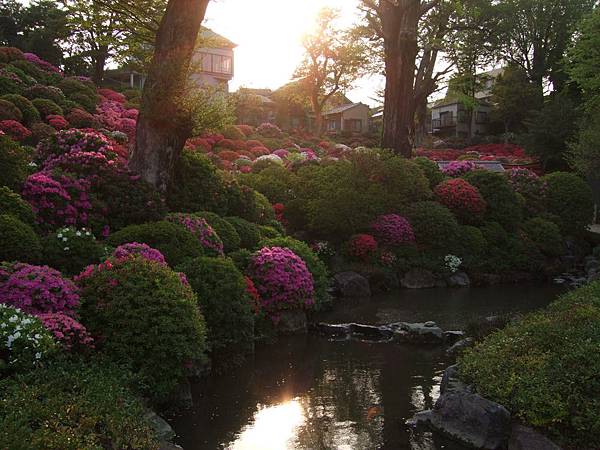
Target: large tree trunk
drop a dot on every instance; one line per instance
(400, 25)
(163, 124)
(99, 61)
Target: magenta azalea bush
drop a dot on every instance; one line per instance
(200, 228)
(37, 289)
(71, 335)
(393, 230)
(282, 280)
(133, 249)
(458, 168)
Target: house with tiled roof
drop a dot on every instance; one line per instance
(352, 118)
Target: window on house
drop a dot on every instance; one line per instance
(482, 117)
(216, 63)
(353, 125)
(331, 125)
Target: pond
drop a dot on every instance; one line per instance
(307, 392)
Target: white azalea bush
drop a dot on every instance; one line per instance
(453, 263)
(24, 342)
(70, 250)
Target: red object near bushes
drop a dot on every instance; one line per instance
(462, 198)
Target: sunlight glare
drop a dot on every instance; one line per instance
(273, 428)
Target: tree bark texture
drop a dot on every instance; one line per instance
(399, 23)
(163, 124)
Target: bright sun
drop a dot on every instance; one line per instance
(269, 35)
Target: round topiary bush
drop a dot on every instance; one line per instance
(46, 107)
(12, 204)
(10, 54)
(569, 198)
(531, 187)
(472, 246)
(197, 185)
(315, 266)
(248, 232)
(171, 239)
(224, 302)
(29, 113)
(393, 230)
(545, 235)
(226, 231)
(13, 164)
(40, 91)
(431, 171)
(37, 289)
(434, 225)
(241, 259)
(9, 111)
(273, 182)
(70, 250)
(146, 318)
(282, 280)
(208, 238)
(135, 249)
(462, 198)
(362, 247)
(503, 205)
(18, 241)
(79, 118)
(73, 405)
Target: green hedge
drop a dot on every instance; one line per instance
(544, 368)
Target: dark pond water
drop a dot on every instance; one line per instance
(310, 393)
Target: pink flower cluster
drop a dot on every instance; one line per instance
(44, 65)
(201, 229)
(37, 290)
(136, 249)
(269, 130)
(114, 116)
(281, 279)
(74, 140)
(461, 197)
(57, 122)
(67, 331)
(392, 229)
(14, 129)
(111, 95)
(362, 246)
(458, 168)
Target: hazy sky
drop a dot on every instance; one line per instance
(269, 35)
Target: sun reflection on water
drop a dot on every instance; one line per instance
(273, 428)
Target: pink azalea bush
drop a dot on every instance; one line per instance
(462, 198)
(133, 249)
(458, 168)
(57, 122)
(392, 229)
(281, 279)
(42, 64)
(200, 228)
(37, 289)
(72, 335)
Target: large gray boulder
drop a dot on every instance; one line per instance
(526, 438)
(459, 279)
(418, 279)
(418, 333)
(351, 284)
(466, 416)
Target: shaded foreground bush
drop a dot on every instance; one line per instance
(71, 406)
(545, 367)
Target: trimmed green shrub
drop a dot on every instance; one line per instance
(226, 231)
(545, 235)
(569, 198)
(171, 239)
(51, 93)
(30, 69)
(313, 263)
(434, 226)
(12, 204)
(18, 241)
(88, 102)
(9, 111)
(268, 232)
(431, 170)
(73, 405)
(39, 132)
(197, 186)
(273, 182)
(148, 320)
(221, 291)
(248, 204)
(544, 368)
(70, 250)
(248, 232)
(232, 132)
(503, 205)
(241, 259)
(9, 86)
(46, 107)
(10, 54)
(29, 113)
(71, 86)
(13, 164)
(472, 245)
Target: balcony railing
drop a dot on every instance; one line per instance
(444, 122)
